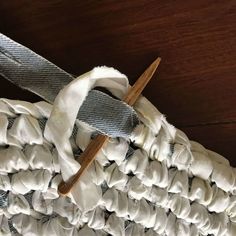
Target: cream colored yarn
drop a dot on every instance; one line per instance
(167, 185)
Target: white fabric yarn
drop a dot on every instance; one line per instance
(167, 186)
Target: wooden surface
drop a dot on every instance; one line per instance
(196, 85)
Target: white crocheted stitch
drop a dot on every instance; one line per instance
(156, 183)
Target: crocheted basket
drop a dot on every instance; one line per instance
(152, 182)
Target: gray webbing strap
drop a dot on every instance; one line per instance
(108, 115)
(32, 72)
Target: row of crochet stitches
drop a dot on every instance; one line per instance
(163, 185)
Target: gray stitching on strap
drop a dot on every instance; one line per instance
(11, 227)
(28, 196)
(3, 199)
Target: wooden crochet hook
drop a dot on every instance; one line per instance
(88, 156)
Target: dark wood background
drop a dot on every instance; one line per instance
(195, 86)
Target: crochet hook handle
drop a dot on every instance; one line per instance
(88, 156)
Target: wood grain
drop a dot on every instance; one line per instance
(196, 84)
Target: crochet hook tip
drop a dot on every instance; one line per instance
(157, 61)
(153, 67)
(141, 83)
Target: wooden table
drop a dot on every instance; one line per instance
(196, 85)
